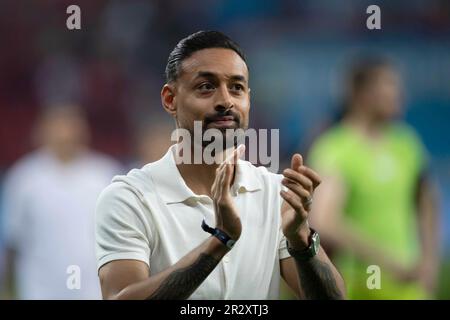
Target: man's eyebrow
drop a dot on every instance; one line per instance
(206, 74)
(209, 74)
(238, 78)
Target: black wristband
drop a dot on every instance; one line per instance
(219, 234)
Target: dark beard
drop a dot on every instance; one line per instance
(228, 140)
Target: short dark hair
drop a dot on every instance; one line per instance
(362, 72)
(195, 42)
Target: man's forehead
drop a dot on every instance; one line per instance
(218, 61)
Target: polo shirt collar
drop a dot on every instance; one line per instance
(172, 188)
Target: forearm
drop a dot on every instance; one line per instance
(8, 290)
(346, 237)
(319, 279)
(428, 215)
(429, 229)
(429, 261)
(182, 279)
(429, 236)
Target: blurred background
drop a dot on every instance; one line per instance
(109, 75)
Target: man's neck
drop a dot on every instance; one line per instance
(66, 156)
(200, 177)
(365, 124)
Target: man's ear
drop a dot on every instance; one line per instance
(168, 99)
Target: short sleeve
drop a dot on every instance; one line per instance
(417, 150)
(325, 155)
(282, 248)
(121, 230)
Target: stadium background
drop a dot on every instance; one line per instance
(297, 53)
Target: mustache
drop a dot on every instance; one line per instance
(216, 116)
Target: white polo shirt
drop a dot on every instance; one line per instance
(151, 215)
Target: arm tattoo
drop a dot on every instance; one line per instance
(181, 283)
(317, 280)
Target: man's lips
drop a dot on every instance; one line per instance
(223, 118)
(225, 121)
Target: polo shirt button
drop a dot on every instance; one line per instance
(226, 259)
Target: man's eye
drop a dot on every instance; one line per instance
(206, 87)
(237, 87)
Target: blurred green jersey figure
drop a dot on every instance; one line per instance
(381, 182)
(375, 207)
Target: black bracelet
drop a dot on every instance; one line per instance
(219, 234)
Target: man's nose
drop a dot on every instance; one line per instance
(224, 100)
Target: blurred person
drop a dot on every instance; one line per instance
(2, 246)
(151, 140)
(376, 205)
(48, 212)
(151, 243)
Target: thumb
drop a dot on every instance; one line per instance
(235, 155)
(296, 161)
(238, 153)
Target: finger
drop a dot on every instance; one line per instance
(304, 195)
(215, 183)
(224, 172)
(220, 179)
(229, 164)
(296, 161)
(293, 200)
(220, 173)
(240, 150)
(312, 175)
(217, 179)
(227, 176)
(297, 189)
(233, 156)
(237, 153)
(299, 178)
